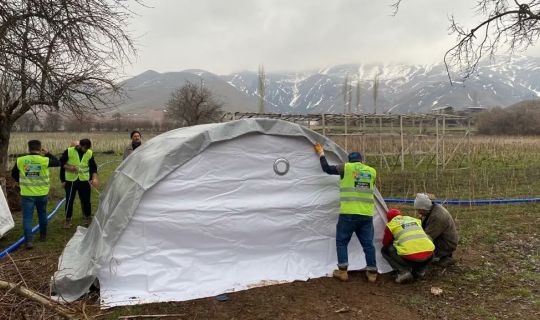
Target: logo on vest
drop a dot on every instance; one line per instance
(32, 170)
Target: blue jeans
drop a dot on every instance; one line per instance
(28, 204)
(363, 227)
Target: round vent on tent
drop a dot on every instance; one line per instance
(281, 166)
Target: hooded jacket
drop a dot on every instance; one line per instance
(440, 226)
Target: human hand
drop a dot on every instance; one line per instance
(319, 149)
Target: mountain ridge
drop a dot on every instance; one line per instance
(403, 88)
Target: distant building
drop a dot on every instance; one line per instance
(470, 110)
(443, 110)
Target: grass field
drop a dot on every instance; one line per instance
(497, 167)
(497, 275)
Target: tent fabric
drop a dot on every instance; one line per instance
(199, 211)
(6, 220)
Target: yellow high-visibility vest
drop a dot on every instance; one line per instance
(83, 172)
(33, 175)
(409, 237)
(356, 189)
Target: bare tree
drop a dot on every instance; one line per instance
(59, 55)
(262, 88)
(117, 118)
(193, 104)
(26, 123)
(358, 97)
(375, 92)
(347, 88)
(52, 122)
(510, 25)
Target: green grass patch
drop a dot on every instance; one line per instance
(57, 236)
(521, 292)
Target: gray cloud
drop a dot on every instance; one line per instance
(222, 36)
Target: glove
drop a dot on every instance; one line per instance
(319, 149)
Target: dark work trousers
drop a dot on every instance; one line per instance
(84, 191)
(400, 264)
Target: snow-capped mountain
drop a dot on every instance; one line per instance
(152, 90)
(402, 88)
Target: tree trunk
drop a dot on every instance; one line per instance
(5, 132)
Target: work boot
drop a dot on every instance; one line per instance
(43, 237)
(341, 274)
(29, 245)
(419, 274)
(87, 221)
(404, 277)
(67, 224)
(371, 275)
(447, 261)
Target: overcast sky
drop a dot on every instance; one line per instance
(224, 36)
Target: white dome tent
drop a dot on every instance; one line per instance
(205, 210)
(6, 220)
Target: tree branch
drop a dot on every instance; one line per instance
(39, 298)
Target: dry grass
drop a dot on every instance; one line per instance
(490, 167)
(59, 141)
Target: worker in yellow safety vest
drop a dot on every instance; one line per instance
(406, 246)
(356, 210)
(32, 173)
(78, 174)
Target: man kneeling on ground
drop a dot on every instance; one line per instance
(440, 226)
(406, 246)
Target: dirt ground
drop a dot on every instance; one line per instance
(323, 298)
(497, 276)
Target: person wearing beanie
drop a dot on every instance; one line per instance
(357, 206)
(439, 226)
(136, 141)
(406, 247)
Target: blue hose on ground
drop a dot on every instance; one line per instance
(469, 202)
(19, 242)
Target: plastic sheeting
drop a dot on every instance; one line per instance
(200, 211)
(6, 220)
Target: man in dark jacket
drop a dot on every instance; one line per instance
(136, 141)
(357, 206)
(440, 226)
(78, 173)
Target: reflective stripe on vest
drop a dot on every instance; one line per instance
(83, 173)
(33, 175)
(356, 189)
(409, 237)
